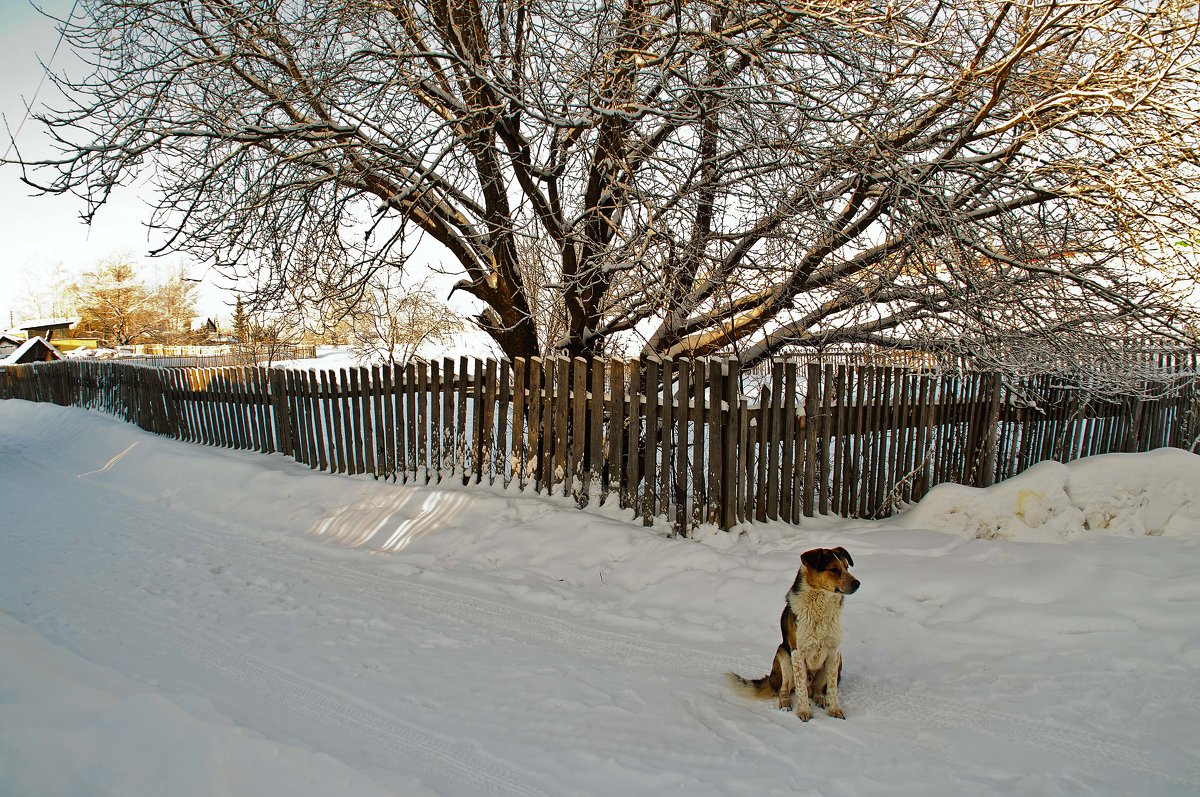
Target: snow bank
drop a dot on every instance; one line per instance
(69, 727)
(1155, 494)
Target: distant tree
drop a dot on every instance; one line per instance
(116, 305)
(270, 334)
(175, 303)
(241, 322)
(45, 292)
(390, 323)
(710, 176)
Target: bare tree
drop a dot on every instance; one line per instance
(392, 322)
(712, 176)
(114, 303)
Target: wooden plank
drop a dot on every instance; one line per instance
(500, 456)
(744, 497)
(883, 469)
(649, 465)
(480, 433)
(435, 419)
(379, 421)
(368, 420)
(249, 401)
(448, 441)
(333, 423)
(763, 456)
(716, 441)
(176, 385)
(774, 433)
(596, 454)
(813, 424)
(562, 421)
(575, 409)
(403, 379)
(894, 443)
(487, 426)
(320, 424)
(790, 440)
(533, 447)
(386, 412)
(682, 463)
(699, 386)
(844, 386)
(666, 448)
(550, 385)
(311, 413)
(287, 402)
(216, 396)
(251, 408)
(225, 405)
(519, 450)
(423, 399)
(633, 449)
(353, 419)
(825, 450)
(615, 473)
(730, 476)
(412, 438)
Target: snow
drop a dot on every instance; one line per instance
(1155, 493)
(184, 620)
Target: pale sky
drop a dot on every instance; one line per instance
(40, 232)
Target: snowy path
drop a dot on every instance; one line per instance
(446, 668)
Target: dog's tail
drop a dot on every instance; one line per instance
(758, 688)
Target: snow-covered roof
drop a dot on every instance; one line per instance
(42, 323)
(15, 357)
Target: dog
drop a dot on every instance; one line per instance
(808, 663)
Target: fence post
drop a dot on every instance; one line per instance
(279, 408)
(812, 421)
(988, 473)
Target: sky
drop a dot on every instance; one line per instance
(43, 232)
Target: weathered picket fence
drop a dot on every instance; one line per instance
(676, 441)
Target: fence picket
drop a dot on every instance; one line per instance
(649, 452)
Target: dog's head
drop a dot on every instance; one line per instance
(829, 569)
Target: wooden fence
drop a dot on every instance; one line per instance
(672, 440)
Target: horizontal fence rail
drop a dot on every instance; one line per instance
(674, 441)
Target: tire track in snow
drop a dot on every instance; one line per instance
(232, 541)
(523, 624)
(121, 617)
(94, 614)
(1078, 745)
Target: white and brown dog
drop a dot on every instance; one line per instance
(809, 655)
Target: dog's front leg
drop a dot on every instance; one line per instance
(833, 669)
(800, 683)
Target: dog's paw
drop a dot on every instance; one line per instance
(785, 703)
(805, 714)
(837, 713)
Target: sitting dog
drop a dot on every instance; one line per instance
(808, 662)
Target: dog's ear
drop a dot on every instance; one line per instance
(842, 552)
(817, 559)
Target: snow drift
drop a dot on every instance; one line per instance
(1155, 493)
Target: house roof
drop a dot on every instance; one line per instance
(4, 336)
(43, 323)
(15, 357)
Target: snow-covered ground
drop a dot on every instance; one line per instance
(177, 620)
